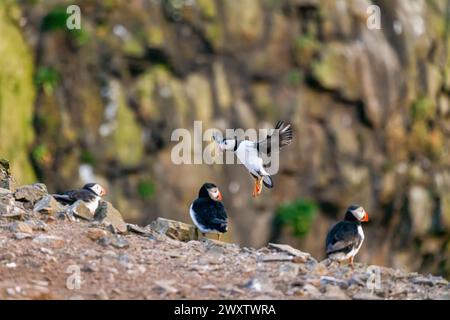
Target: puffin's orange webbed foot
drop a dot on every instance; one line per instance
(255, 189)
(260, 181)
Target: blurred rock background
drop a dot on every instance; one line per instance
(370, 108)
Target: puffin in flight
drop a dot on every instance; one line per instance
(90, 194)
(250, 153)
(207, 211)
(345, 239)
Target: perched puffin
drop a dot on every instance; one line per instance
(207, 211)
(91, 194)
(345, 239)
(250, 153)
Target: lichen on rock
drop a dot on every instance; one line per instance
(17, 95)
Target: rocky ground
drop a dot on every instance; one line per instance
(52, 252)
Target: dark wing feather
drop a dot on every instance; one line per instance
(342, 237)
(211, 213)
(282, 132)
(72, 196)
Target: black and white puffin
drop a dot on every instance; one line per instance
(250, 153)
(207, 211)
(90, 194)
(345, 239)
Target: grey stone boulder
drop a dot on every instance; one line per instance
(48, 205)
(108, 215)
(5, 174)
(31, 193)
(80, 210)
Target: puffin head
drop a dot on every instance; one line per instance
(356, 213)
(228, 144)
(95, 188)
(210, 190)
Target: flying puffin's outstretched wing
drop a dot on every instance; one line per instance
(282, 132)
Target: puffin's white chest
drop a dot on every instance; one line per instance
(355, 250)
(248, 156)
(361, 233)
(92, 205)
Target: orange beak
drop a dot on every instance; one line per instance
(365, 218)
(103, 193)
(219, 197)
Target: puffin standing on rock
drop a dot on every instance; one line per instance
(250, 153)
(90, 194)
(345, 239)
(207, 211)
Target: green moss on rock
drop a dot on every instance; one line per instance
(336, 70)
(423, 108)
(17, 94)
(127, 138)
(207, 8)
(306, 47)
(47, 78)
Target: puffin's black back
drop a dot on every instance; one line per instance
(342, 237)
(71, 196)
(211, 214)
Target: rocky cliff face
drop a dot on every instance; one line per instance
(370, 110)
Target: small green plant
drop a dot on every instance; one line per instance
(299, 215)
(47, 78)
(423, 109)
(87, 157)
(307, 42)
(81, 36)
(294, 77)
(306, 48)
(56, 20)
(40, 154)
(146, 189)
